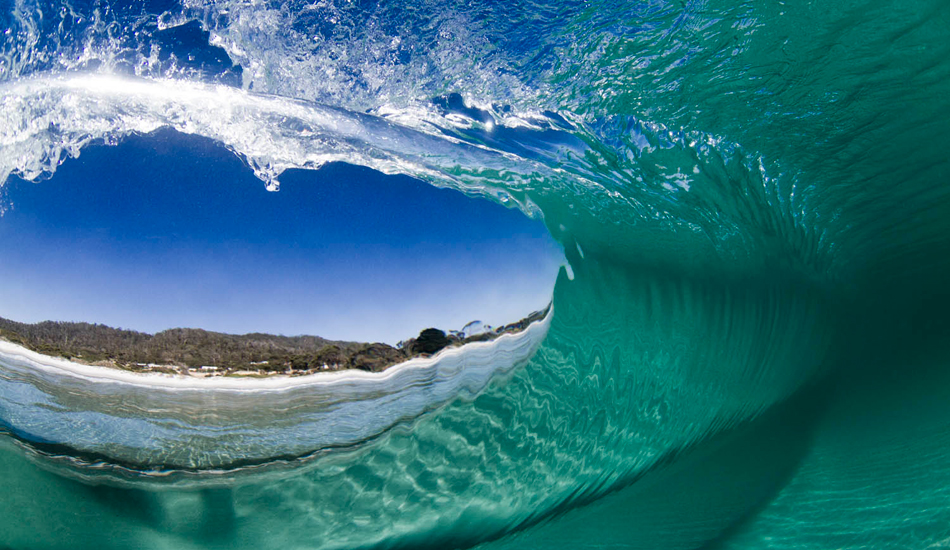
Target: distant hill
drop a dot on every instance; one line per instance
(194, 348)
(182, 350)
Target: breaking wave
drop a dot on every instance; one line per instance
(750, 349)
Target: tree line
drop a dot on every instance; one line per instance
(257, 352)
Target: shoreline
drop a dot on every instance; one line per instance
(198, 353)
(272, 382)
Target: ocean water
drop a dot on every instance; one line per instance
(749, 346)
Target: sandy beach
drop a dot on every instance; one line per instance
(92, 373)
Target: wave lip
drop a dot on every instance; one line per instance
(161, 422)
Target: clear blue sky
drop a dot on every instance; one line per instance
(170, 230)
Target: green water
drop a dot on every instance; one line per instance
(754, 199)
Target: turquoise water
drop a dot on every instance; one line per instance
(749, 349)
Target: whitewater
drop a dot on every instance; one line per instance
(748, 342)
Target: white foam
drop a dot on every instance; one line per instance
(45, 119)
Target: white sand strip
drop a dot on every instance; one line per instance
(58, 365)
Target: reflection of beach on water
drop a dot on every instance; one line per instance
(156, 422)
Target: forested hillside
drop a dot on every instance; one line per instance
(182, 349)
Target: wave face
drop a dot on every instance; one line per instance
(750, 350)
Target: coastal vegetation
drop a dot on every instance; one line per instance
(197, 352)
